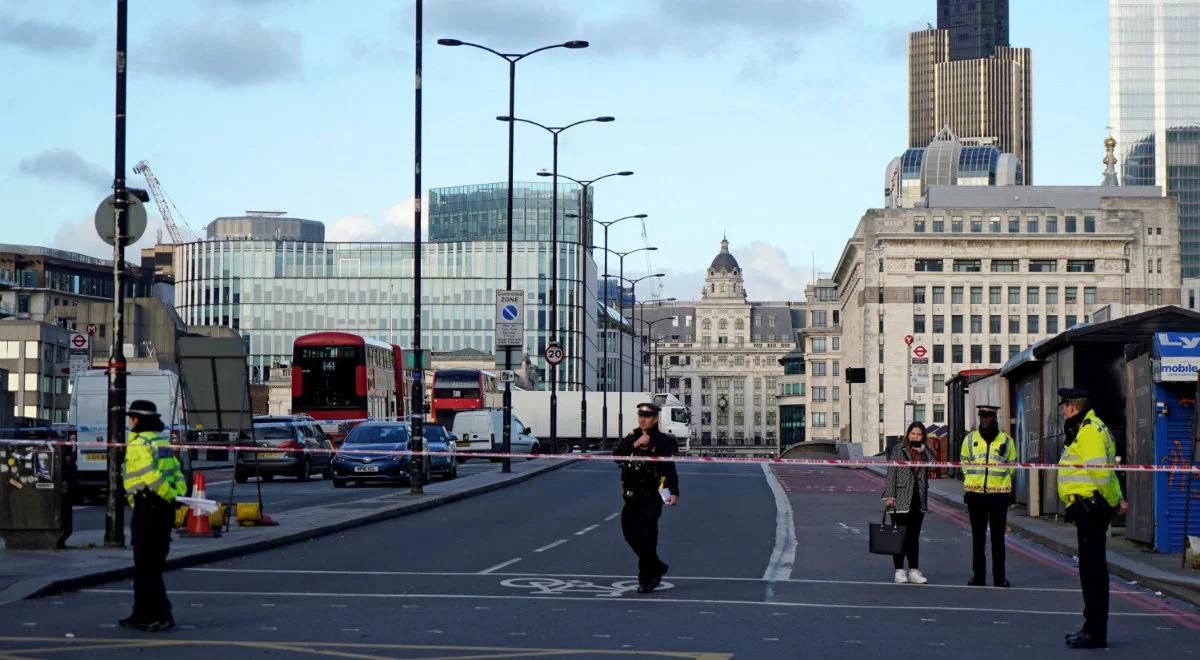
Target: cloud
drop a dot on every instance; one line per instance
(765, 268)
(235, 54)
(80, 236)
(41, 36)
(394, 224)
(64, 165)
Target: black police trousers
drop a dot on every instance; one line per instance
(639, 524)
(988, 511)
(153, 518)
(1092, 528)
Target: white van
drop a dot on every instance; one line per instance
(89, 415)
(483, 431)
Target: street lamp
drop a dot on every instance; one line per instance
(650, 334)
(607, 376)
(642, 308)
(554, 132)
(621, 360)
(512, 59)
(585, 239)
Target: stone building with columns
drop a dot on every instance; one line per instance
(721, 356)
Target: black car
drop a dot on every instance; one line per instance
(293, 446)
(375, 451)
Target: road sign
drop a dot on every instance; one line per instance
(507, 376)
(920, 374)
(920, 352)
(510, 318)
(79, 363)
(92, 328)
(135, 221)
(412, 362)
(554, 354)
(909, 339)
(79, 342)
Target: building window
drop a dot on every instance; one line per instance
(976, 295)
(956, 225)
(919, 413)
(939, 225)
(837, 420)
(976, 323)
(976, 224)
(1052, 324)
(1089, 295)
(819, 394)
(939, 295)
(918, 295)
(837, 393)
(994, 225)
(1031, 224)
(939, 413)
(1043, 265)
(994, 354)
(1081, 265)
(1014, 224)
(956, 353)
(919, 225)
(976, 353)
(1069, 321)
(836, 342)
(1071, 295)
(967, 266)
(837, 368)
(1014, 295)
(918, 324)
(1051, 295)
(818, 368)
(1051, 224)
(1032, 325)
(1031, 295)
(818, 420)
(956, 323)
(1004, 266)
(939, 353)
(819, 318)
(956, 295)
(1089, 224)
(1070, 224)
(1014, 324)
(818, 344)
(994, 324)
(1013, 349)
(994, 295)
(929, 265)
(939, 324)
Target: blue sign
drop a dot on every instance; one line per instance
(1178, 356)
(510, 312)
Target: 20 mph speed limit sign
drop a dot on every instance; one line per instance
(554, 354)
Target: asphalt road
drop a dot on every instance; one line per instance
(540, 570)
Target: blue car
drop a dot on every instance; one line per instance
(374, 451)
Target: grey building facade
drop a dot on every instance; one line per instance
(976, 27)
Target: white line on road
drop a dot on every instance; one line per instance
(779, 569)
(499, 566)
(585, 530)
(552, 545)
(648, 601)
(612, 516)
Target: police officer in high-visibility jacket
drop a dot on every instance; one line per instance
(1092, 496)
(153, 479)
(987, 458)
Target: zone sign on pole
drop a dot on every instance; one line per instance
(920, 352)
(554, 354)
(510, 319)
(79, 342)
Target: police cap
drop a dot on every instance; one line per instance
(987, 409)
(650, 407)
(1073, 394)
(142, 408)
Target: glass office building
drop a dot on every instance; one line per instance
(479, 212)
(1154, 69)
(274, 291)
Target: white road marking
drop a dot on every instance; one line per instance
(848, 528)
(879, 583)
(585, 530)
(689, 601)
(499, 566)
(612, 516)
(779, 568)
(218, 483)
(552, 545)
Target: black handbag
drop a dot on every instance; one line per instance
(887, 539)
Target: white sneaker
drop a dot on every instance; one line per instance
(901, 576)
(915, 577)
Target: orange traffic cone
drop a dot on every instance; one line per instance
(197, 524)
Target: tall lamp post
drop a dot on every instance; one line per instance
(585, 239)
(607, 375)
(650, 334)
(621, 360)
(642, 315)
(512, 59)
(554, 132)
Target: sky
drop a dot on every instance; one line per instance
(769, 121)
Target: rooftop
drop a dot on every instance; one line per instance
(1050, 197)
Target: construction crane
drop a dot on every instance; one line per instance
(164, 204)
(657, 286)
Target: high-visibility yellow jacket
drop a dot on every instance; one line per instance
(150, 464)
(987, 466)
(1093, 445)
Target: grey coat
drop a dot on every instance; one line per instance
(901, 481)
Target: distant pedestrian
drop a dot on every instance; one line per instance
(1092, 496)
(907, 493)
(987, 456)
(643, 483)
(153, 479)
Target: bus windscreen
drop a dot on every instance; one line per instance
(328, 377)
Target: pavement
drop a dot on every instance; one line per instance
(304, 510)
(1126, 558)
(765, 563)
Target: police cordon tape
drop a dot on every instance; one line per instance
(1182, 468)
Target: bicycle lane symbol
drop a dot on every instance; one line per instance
(547, 586)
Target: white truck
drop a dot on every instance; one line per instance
(533, 407)
(89, 416)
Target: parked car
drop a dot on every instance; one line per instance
(483, 431)
(438, 439)
(301, 449)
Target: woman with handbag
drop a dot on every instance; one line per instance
(907, 495)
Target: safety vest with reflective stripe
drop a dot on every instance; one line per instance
(1093, 445)
(150, 464)
(987, 466)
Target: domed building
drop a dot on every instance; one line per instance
(720, 355)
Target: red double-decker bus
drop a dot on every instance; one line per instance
(342, 377)
(461, 389)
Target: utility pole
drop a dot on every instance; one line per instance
(417, 461)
